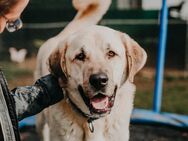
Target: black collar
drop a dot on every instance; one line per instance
(78, 110)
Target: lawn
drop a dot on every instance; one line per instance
(175, 92)
(18, 74)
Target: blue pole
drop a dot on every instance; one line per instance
(160, 58)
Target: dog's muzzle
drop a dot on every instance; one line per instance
(100, 104)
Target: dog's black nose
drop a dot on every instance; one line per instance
(98, 81)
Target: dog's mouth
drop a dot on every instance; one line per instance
(100, 103)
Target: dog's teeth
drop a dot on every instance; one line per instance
(100, 104)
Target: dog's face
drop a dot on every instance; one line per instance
(95, 62)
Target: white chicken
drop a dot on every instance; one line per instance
(17, 56)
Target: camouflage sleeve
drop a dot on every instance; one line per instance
(30, 100)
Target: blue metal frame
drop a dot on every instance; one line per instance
(151, 116)
(155, 116)
(162, 118)
(30, 121)
(161, 58)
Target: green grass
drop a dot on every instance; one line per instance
(175, 94)
(13, 71)
(175, 97)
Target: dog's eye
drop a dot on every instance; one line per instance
(81, 56)
(111, 54)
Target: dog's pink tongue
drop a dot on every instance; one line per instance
(100, 103)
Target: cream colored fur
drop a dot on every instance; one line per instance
(64, 123)
(90, 12)
(60, 122)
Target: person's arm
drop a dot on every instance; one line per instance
(30, 100)
(26, 101)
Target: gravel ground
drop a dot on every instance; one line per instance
(137, 133)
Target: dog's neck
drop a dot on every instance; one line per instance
(124, 100)
(79, 111)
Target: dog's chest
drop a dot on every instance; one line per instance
(68, 127)
(63, 125)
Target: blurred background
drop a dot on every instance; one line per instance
(138, 18)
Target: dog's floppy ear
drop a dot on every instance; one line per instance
(57, 63)
(136, 56)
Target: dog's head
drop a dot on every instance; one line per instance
(93, 64)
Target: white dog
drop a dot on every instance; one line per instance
(97, 66)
